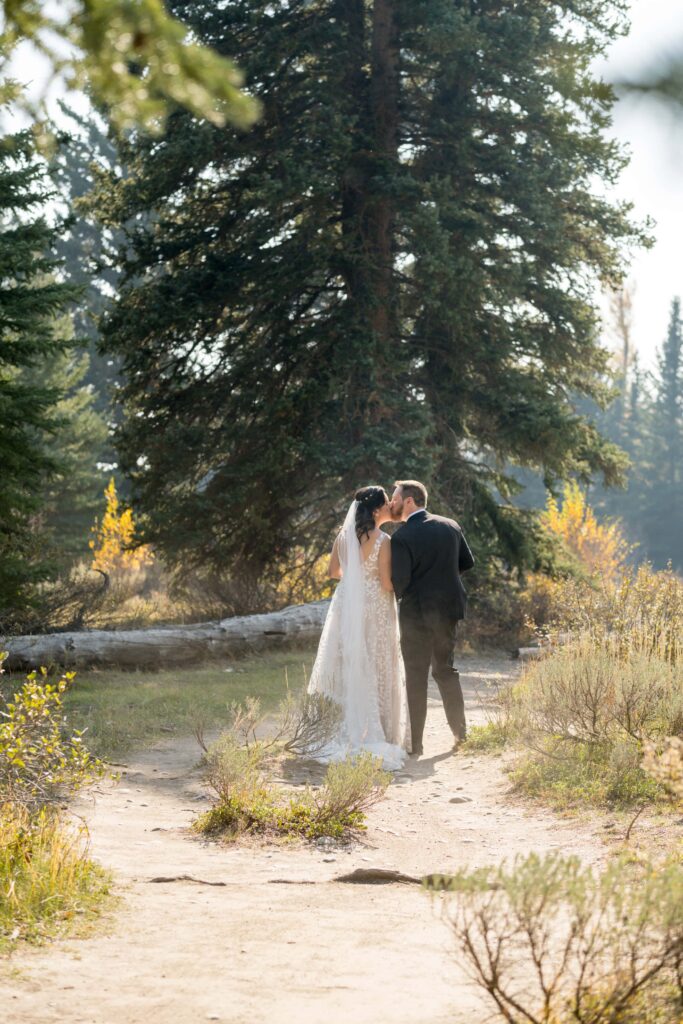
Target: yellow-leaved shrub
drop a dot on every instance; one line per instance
(599, 547)
(111, 543)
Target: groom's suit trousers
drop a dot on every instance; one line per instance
(426, 643)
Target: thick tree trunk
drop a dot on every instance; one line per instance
(384, 97)
(368, 212)
(167, 645)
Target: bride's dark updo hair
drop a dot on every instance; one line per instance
(368, 498)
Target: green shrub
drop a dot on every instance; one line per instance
(247, 802)
(350, 787)
(590, 693)
(47, 881)
(583, 715)
(552, 942)
(38, 756)
(489, 738)
(569, 775)
(234, 772)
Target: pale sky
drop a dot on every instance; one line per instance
(653, 181)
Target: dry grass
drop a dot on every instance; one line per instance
(48, 884)
(639, 614)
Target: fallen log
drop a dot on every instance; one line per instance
(165, 646)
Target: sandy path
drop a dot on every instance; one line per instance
(258, 951)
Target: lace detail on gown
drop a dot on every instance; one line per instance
(384, 728)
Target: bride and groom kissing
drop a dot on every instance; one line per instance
(392, 617)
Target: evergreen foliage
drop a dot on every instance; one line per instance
(132, 56)
(391, 274)
(664, 509)
(647, 422)
(32, 302)
(72, 495)
(80, 143)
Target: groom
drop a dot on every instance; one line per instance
(427, 556)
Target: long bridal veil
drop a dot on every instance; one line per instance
(344, 669)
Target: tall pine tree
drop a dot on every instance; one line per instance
(391, 274)
(72, 495)
(664, 511)
(626, 423)
(31, 303)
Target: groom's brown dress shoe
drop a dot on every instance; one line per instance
(458, 742)
(416, 751)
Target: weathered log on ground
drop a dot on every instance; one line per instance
(165, 646)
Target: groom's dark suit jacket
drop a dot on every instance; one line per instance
(428, 554)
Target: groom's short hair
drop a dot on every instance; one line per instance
(413, 489)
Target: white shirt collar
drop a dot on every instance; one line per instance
(415, 513)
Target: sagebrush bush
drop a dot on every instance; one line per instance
(239, 767)
(552, 942)
(234, 772)
(308, 722)
(599, 774)
(611, 683)
(238, 772)
(303, 724)
(351, 786)
(590, 692)
(47, 880)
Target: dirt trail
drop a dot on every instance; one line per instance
(255, 950)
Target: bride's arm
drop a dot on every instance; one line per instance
(384, 564)
(334, 568)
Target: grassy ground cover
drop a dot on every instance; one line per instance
(48, 884)
(124, 710)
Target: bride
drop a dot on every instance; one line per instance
(359, 663)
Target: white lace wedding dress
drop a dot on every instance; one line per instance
(359, 663)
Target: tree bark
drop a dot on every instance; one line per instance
(384, 97)
(166, 646)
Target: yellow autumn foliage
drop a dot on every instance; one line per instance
(599, 547)
(112, 538)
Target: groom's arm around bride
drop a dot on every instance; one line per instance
(428, 554)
